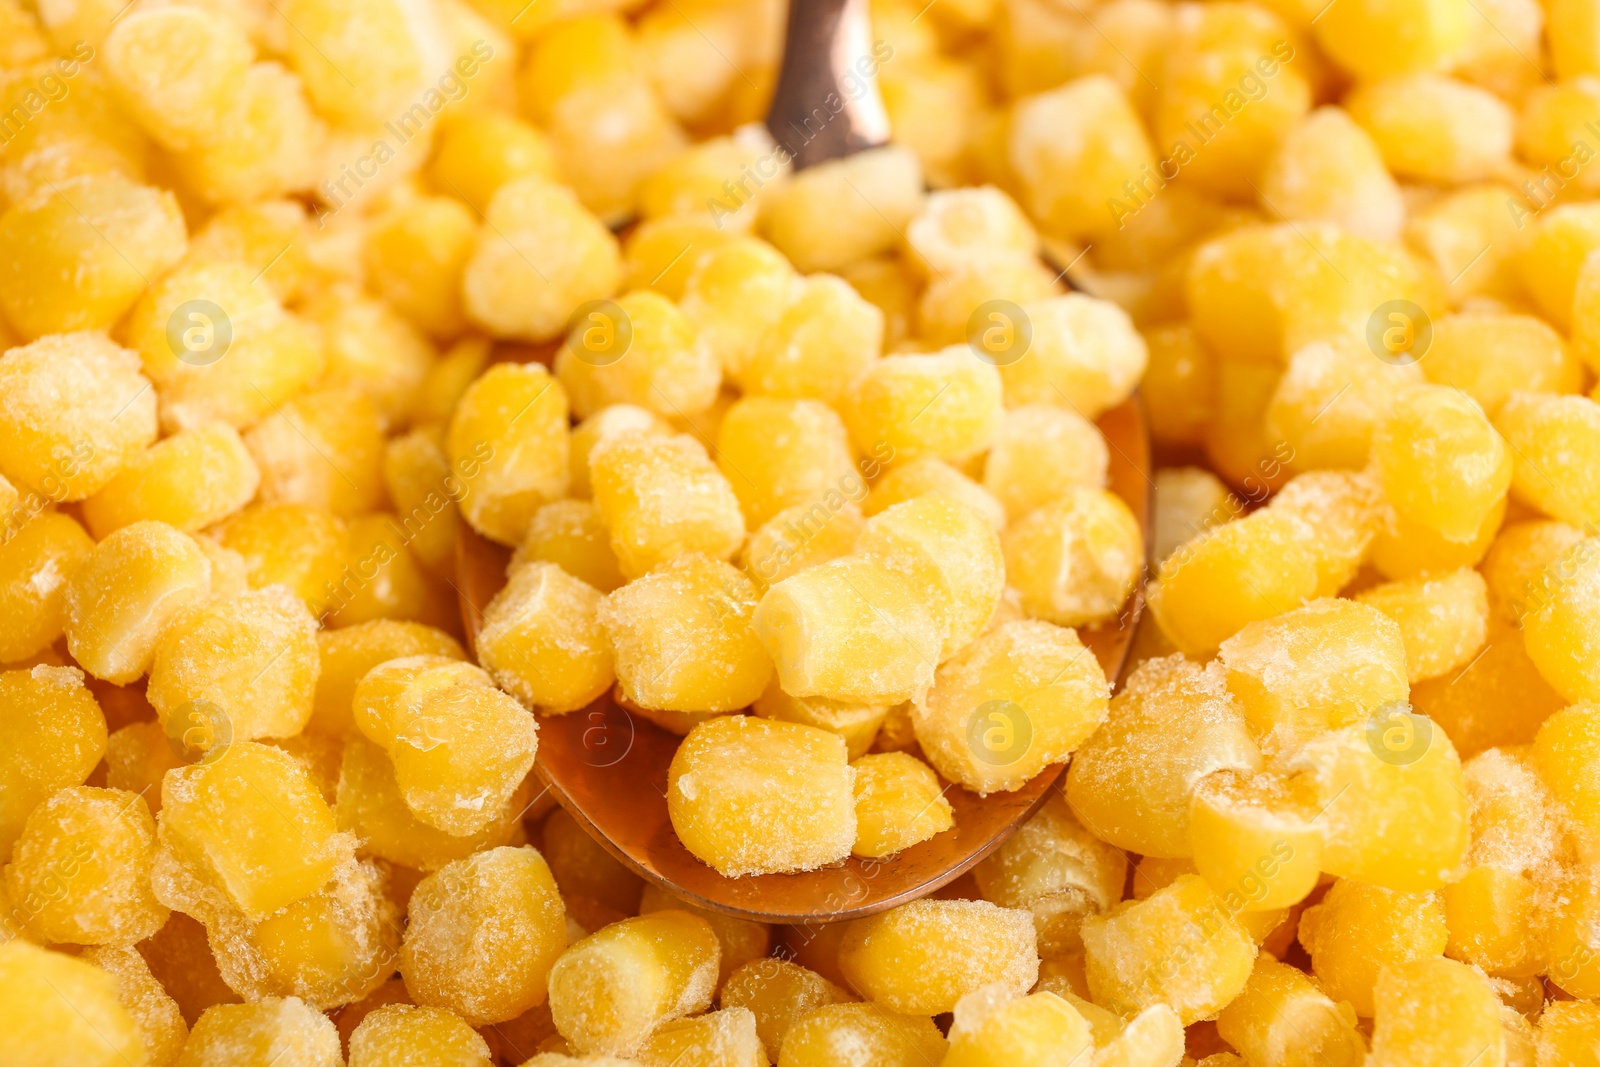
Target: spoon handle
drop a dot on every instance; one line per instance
(826, 104)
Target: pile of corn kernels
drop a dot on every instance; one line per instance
(803, 467)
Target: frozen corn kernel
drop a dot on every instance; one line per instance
(483, 935)
(1442, 464)
(1017, 699)
(603, 424)
(78, 254)
(740, 940)
(844, 210)
(956, 224)
(1551, 257)
(725, 1038)
(756, 796)
(1557, 628)
(858, 724)
(947, 404)
(156, 1014)
(267, 236)
(930, 475)
(1331, 398)
(1490, 356)
(234, 367)
(825, 337)
(36, 560)
(275, 1032)
(1348, 658)
(383, 46)
(867, 1034)
(1434, 128)
(460, 746)
(129, 589)
(662, 253)
(683, 637)
(949, 554)
(414, 259)
(323, 449)
(1375, 40)
(1567, 937)
(584, 870)
(508, 443)
(1172, 724)
(57, 733)
(74, 412)
(137, 757)
(662, 498)
(1402, 548)
(1443, 621)
(959, 305)
(1072, 148)
(191, 480)
(371, 806)
(252, 826)
(1076, 559)
(641, 350)
(1255, 840)
(290, 544)
(1358, 929)
(1282, 1017)
(735, 293)
(1567, 1032)
(263, 683)
(476, 154)
(1491, 917)
(1389, 793)
(1179, 384)
(921, 958)
(781, 995)
(371, 350)
(419, 482)
(1564, 753)
(611, 990)
(543, 642)
(57, 1009)
(396, 1034)
(1181, 947)
(1084, 354)
(347, 654)
(1041, 452)
(1435, 1011)
(1329, 169)
(994, 1026)
(1188, 502)
(1502, 702)
(171, 65)
(1056, 870)
(81, 869)
(569, 533)
(803, 536)
(779, 453)
(531, 220)
(1554, 441)
(898, 804)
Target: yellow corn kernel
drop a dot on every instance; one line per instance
(609, 991)
(543, 642)
(1057, 870)
(1406, 549)
(883, 1037)
(1490, 915)
(393, 1033)
(1450, 495)
(898, 803)
(77, 255)
(347, 654)
(324, 449)
(804, 535)
(1556, 627)
(996, 1027)
(1443, 621)
(1472, 216)
(170, 67)
(1085, 355)
(951, 308)
(781, 995)
(740, 940)
(75, 412)
(1188, 502)
(734, 294)
(1551, 258)
(1179, 384)
(1374, 40)
(921, 958)
(643, 351)
(605, 423)
(779, 453)
(120, 601)
(1076, 559)
(1284, 1018)
(252, 826)
(414, 260)
(662, 253)
(382, 578)
(460, 746)
(1351, 660)
(1502, 702)
(153, 1011)
(930, 475)
(37, 559)
(1435, 1011)
(1552, 439)
(266, 236)
(56, 721)
(569, 533)
(190, 480)
(261, 686)
(137, 756)
(253, 1035)
(833, 214)
(956, 224)
(1041, 452)
(372, 350)
(1567, 1031)
(754, 796)
(662, 498)
(532, 220)
(1255, 840)
(946, 405)
(1564, 753)
(505, 902)
(1180, 946)
(825, 337)
(63, 1010)
(1490, 356)
(727, 1036)
(1327, 168)
(1435, 128)
(858, 724)
(476, 154)
(418, 479)
(508, 442)
(1172, 724)
(1018, 698)
(299, 546)
(1330, 399)
(1072, 148)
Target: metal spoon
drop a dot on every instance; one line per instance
(608, 766)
